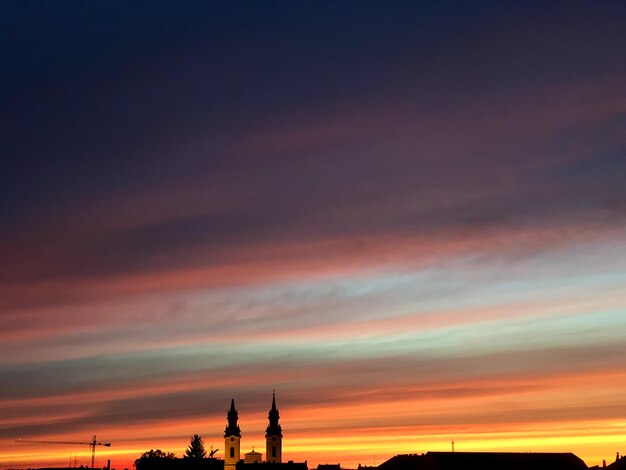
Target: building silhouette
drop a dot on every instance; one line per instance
(232, 438)
(484, 461)
(254, 460)
(253, 457)
(273, 435)
(429, 461)
(329, 466)
(619, 464)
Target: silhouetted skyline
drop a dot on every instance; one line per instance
(407, 218)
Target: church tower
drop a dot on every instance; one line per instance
(232, 436)
(273, 436)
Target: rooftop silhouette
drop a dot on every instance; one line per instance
(484, 461)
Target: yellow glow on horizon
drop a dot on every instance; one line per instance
(590, 440)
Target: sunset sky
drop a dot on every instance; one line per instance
(407, 218)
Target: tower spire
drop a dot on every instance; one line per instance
(274, 434)
(232, 438)
(274, 428)
(232, 416)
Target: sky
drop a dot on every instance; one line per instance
(407, 218)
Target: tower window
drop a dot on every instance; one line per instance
(273, 451)
(232, 452)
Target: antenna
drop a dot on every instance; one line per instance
(452, 445)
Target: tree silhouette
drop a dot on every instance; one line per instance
(155, 460)
(196, 448)
(157, 454)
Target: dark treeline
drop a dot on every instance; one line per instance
(195, 459)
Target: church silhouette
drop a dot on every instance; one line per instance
(273, 444)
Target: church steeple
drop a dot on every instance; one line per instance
(232, 438)
(232, 429)
(274, 435)
(274, 428)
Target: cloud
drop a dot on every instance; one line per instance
(455, 173)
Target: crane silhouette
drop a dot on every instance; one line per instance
(91, 444)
